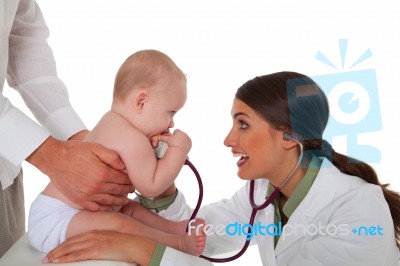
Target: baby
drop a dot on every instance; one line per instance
(149, 89)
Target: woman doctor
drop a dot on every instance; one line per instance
(332, 208)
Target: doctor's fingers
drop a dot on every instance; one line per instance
(76, 248)
(96, 245)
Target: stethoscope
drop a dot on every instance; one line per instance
(254, 206)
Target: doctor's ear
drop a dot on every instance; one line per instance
(140, 99)
(288, 140)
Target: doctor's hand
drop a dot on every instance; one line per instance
(89, 174)
(103, 245)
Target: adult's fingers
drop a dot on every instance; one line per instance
(109, 157)
(118, 177)
(103, 245)
(72, 250)
(110, 200)
(92, 206)
(119, 185)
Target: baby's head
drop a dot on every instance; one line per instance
(149, 89)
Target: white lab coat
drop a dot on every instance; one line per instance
(336, 201)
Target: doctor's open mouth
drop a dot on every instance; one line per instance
(243, 158)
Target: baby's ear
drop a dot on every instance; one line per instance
(140, 100)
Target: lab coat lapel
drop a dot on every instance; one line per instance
(266, 243)
(288, 236)
(319, 197)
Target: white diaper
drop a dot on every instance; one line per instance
(48, 222)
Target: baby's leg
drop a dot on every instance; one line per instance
(140, 213)
(85, 221)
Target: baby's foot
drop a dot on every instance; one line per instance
(194, 241)
(177, 227)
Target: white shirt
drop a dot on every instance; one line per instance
(27, 62)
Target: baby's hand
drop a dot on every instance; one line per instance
(154, 140)
(178, 139)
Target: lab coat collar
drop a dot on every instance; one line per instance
(321, 194)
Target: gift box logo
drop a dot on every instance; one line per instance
(353, 102)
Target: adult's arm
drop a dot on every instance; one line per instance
(32, 72)
(115, 246)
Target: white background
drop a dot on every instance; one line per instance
(221, 44)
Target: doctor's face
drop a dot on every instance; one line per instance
(253, 142)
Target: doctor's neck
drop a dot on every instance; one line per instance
(290, 185)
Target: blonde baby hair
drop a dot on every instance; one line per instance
(142, 70)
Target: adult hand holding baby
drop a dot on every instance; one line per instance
(89, 174)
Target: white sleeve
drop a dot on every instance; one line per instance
(32, 72)
(179, 210)
(28, 64)
(19, 135)
(173, 257)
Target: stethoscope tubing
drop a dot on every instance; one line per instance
(254, 206)
(200, 199)
(255, 209)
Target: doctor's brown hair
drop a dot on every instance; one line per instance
(278, 98)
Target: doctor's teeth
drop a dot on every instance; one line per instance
(240, 155)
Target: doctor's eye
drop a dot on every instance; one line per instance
(243, 124)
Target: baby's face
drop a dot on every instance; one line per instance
(165, 100)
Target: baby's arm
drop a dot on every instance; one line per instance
(150, 176)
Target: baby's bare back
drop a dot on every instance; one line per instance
(113, 132)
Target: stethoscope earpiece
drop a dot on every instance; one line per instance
(287, 136)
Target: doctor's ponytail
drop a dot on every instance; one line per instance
(294, 102)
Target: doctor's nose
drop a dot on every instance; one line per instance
(229, 140)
